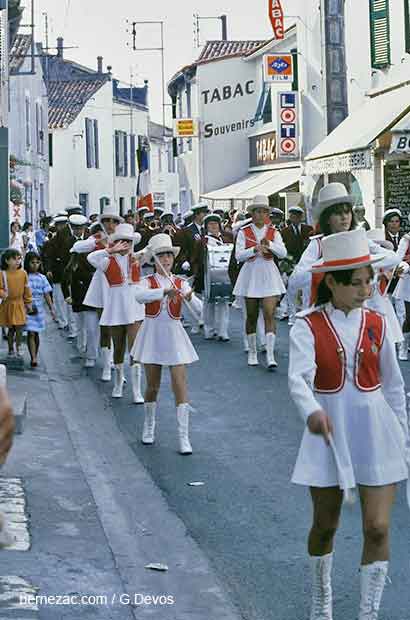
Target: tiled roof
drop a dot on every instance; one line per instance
(214, 50)
(19, 51)
(138, 95)
(67, 99)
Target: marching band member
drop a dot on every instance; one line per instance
(121, 313)
(259, 279)
(347, 386)
(392, 220)
(402, 292)
(162, 341)
(216, 314)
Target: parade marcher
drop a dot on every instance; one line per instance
(216, 314)
(402, 293)
(162, 341)
(392, 221)
(93, 218)
(41, 290)
(345, 381)
(277, 218)
(121, 312)
(296, 235)
(16, 298)
(359, 213)
(259, 280)
(77, 225)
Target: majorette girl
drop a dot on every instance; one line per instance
(121, 311)
(259, 280)
(162, 341)
(347, 386)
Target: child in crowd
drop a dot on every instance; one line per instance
(16, 298)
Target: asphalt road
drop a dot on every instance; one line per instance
(247, 518)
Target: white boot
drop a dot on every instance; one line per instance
(322, 588)
(270, 350)
(372, 580)
(136, 373)
(149, 423)
(252, 353)
(118, 380)
(223, 321)
(403, 348)
(106, 357)
(183, 429)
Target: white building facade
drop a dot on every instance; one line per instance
(164, 178)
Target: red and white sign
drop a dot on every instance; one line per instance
(278, 68)
(277, 18)
(288, 125)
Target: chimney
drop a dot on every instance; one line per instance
(99, 64)
(60, 47)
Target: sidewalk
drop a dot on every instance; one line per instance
(96, 518)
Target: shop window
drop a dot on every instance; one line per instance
(380, 34)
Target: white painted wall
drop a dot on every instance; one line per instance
(163, 181)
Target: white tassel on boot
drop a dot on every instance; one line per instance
(136, 373)
(372, 580)
(252, 353)
(106, 358)
(149, 424)
(322, 587)
(403, 348)
(183, 429)
(118, 380)
(270, 350)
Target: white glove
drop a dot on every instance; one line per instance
(185, 266)
(404, 266)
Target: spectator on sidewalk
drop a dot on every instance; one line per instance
(16, 237)
(41, 289)
(16, 298)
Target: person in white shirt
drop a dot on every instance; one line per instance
(259, 280)
(347, 386)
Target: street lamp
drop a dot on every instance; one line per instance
(153, 49)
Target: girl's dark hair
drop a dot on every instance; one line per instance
(7, 254)
(325, 217)
(29, 257)
(345, 276)
(12, 224)
(26, 226)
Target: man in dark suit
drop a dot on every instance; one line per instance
(296, 235)
(392, 225)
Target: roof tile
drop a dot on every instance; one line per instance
(214, 50)
(67, 99)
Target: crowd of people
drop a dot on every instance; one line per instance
(134, 285)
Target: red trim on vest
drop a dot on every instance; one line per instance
(331, 357)
(382, 284)
(251, 241)
(115, 275)
(174, 306)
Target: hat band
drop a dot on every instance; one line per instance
(346, 261)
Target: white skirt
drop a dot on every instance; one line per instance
(402, 290)
(368, 438)
(121, 307)
(259, 278)
(97, 293)
(163, 341)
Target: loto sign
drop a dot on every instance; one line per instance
(276, 18)
(288, 125)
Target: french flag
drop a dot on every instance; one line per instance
(144, 189)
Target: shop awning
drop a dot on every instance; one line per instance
(268, 183)
(378, 115)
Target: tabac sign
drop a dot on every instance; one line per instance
(276, 18)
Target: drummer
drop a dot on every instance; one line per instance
(216, 312)
(259, 279)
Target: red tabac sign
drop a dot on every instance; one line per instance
(276, 18)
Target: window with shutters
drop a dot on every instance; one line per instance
(407, 24)
(121, 154)
(96, 145)
(28, 121)
(380, 34)
(39, 129)
(133, 155)
(92, 143)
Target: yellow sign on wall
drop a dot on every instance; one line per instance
(185, 128)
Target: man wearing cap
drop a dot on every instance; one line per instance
(392, 227)
(277, 218)
(296, 235)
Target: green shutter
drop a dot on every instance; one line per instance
(380, 33)
(407, 24)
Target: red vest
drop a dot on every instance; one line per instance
(382, 283)
(331, 356)
(251, 241)
(153, 309)
(316, 278)
(99, 238)
(114, 273)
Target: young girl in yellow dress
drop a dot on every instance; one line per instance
(16, 298)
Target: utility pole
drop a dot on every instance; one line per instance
(4, 130)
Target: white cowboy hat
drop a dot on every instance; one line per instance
(110, 213)
(345, 250)
(160, 244)
(126, 232)
(330, 195)
(259, 202)
(78, 220)
(390, 213)
(200, 206)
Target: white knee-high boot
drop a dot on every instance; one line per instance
(260, 332)
(270, 350)
(372, 580)
(148, 431)
(321, 587)
(81, 332)
(183, 429)
(118, 380)
(93, 337)
(223, 320)
(136, 373)
(209, 320)
(252, 352)
(106, 359)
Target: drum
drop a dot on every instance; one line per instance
(217, 281)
